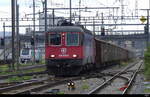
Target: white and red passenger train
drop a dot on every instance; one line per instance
(72, 49)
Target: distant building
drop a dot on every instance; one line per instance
(6, 34)
(49, 21)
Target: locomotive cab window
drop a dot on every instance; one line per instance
(72, 39)
(55, 39)
(25, 52)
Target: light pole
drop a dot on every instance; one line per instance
(147, 27)
(70, 12)
(34, 31)
(4, 42)
(45, 15)
(17, 34)
(13, 31)
(79, 10)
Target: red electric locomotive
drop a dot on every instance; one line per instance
(66, 53)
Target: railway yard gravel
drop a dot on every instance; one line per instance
(138, 86)
(113, 88)
(82, 86)
(86, 85)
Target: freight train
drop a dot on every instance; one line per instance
(69, 50)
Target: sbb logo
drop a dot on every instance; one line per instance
(63, 51)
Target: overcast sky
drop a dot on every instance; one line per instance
(26, 7)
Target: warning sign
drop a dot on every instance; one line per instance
(143, 19)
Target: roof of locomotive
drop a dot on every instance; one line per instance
(65, 29)
(69, 29)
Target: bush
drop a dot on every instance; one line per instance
(147, 63)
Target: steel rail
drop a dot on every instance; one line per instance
(49, 85)
(2, 85)
(6, 89)
(95, 90)
(23, 74)
(46, 86)
(132, 80)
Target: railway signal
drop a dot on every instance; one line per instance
(102, 31)
(32, 41)
(146, 29)
(2, 42)
(102, 27)
(71, 85)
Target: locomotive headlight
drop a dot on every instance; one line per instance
(52, 56)
(68, 84)
(74, 55)
(72, 83)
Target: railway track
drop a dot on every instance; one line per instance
(30, 67)
(2, 85)
(35, 87)
(43, 89)
(23, 74)
(2, 77)
(38, 87)
(132, 80)
(110, 80)
(8, 89)
(36, 77)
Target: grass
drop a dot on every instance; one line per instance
(5, 68)
(85, 86)
(147, 63)
(34, 70)
(147, 91)
(26, 71)
(18, 79)
(42, 62)
(125, 63)
(61, 93)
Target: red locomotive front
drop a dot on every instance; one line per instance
(63, 45)
(64, 50)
